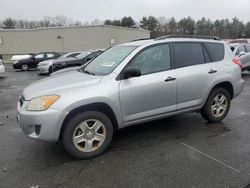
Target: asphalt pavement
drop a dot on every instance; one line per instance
(180, 151)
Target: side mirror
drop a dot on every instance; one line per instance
(131, 72)
(242, 53)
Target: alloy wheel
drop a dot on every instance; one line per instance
(25, 67)
(89, 135)
(219, 105)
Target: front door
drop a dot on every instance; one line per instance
(154, 92)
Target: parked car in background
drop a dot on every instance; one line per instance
(2, 68)
(129, 84)
(45, 67)
(243, 52)
(238, 41)
(31, 62)
(78, 60)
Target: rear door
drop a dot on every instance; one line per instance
(195, 73)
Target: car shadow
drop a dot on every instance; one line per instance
(167, 129)
(30, 70)
(133, 138)
(43, 75)
(2, 77)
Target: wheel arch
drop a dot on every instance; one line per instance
(226, 85)
(100, 107)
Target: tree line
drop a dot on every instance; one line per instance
(224, 28)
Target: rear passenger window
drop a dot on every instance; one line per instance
(188, 54)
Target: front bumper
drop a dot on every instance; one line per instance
(42, 125)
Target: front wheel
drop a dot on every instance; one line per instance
(87, 134)
(50, 70)
(217, 105)
(25, 67)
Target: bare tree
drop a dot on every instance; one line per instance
(9, 23)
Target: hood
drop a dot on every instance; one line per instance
(58, 83)
(50, 61)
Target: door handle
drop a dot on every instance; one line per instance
(212, 71)
(170, 79)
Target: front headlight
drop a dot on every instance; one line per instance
(15, 62)
(42, 103)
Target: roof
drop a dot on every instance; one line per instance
(76, 27)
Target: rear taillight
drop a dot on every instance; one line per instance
(237, 62)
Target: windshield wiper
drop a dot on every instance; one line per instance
(90, 73)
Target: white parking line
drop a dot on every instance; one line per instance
(209, 157)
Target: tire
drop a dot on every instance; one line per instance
(25, 67)
(82, 140)
(50, 70)
(217, 105)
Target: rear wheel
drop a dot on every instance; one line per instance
(87, 134)
(217, 105)
(25, 67)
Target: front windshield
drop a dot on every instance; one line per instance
(83, 55)
(109, 60)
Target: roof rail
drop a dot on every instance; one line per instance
(140, 39)
(188, 36)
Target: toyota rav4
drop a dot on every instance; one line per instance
(129, 84)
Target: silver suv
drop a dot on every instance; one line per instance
(129, 84)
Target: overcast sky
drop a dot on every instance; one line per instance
(88, 10)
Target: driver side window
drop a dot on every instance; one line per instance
(153, 59)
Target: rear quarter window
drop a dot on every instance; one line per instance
(216, 51)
